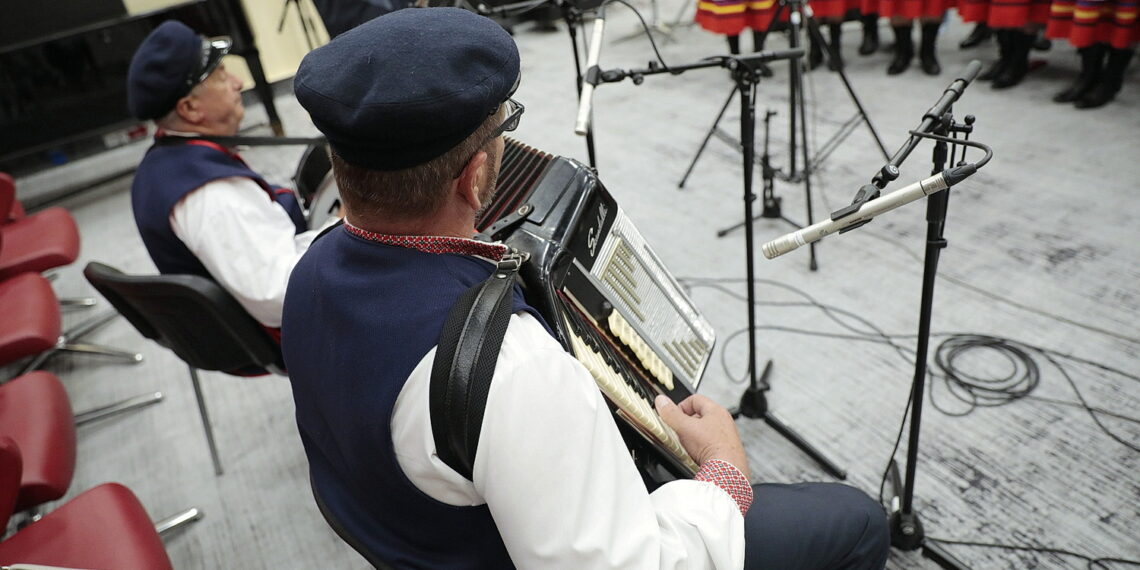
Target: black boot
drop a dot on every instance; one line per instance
(815, 51)
(1092, 64)
(926, 52)
(758, 38)
(1018, 65)
(904, 50)
(834, 57)
(979, 34)
(733, 44)
(998, 67)
(870, 43)
(1111, 81)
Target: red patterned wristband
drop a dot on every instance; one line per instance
(726, 476)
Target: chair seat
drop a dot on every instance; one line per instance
(105, 528)
(31, 319)
(39, 242)
(36, 413)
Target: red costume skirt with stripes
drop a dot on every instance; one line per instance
(1005, 13)
(836, 9)
(1086, 22)
(913, 9)
(730, 17)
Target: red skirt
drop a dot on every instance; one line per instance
(834, 8)
(1086, 22)
(1005, 13)
(730, 17)
(913, 9)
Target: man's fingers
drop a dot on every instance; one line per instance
(670, 412)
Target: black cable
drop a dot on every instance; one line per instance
(971, 390)
(1092, 562)
(976, 391)
(644, 26)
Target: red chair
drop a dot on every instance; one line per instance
(31, 324)
(105, 527)
(37, 242)
(31, 317)
(36, 413)
(10, 208)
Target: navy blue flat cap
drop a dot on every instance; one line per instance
(406, 87)
(167, 65)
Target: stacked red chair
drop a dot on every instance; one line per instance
(37, 242)
(35, 413)
(105, 527)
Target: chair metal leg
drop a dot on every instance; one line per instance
(74, 333)
(87, 348)
(206, 421)
(76, 302)
(66, 342)
(183, 518)
(117, 408)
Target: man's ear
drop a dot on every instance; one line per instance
(188, 110)
(472, 176)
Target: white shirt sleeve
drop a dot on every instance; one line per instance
(556, 475)
(245, 240)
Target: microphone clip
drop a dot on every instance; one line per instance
(593, 76)
(865, 194)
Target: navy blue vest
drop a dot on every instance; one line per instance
(165, 176)
(359, 316)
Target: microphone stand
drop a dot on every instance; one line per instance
(573, 17)
(744, 68)
(906, 528)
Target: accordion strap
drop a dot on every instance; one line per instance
(464, 364)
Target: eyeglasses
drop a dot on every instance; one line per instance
(514, 115)
(213, 49)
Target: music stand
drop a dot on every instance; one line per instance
(771, 204)
(746, 74)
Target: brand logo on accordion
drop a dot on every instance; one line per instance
(595, 234)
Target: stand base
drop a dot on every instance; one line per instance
(754, 405)
(906, 531)
(907, 534)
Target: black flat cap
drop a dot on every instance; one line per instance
(406, 87)
(167, 65)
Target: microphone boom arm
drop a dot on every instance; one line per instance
(890, 172)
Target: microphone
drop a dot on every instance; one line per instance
(771, 55)
(586, 100)
(868, 210)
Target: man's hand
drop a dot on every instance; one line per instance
(706, 429)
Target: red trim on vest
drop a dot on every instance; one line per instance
(434, 244)
(230, 153)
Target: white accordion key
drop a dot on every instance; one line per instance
(633, 405)
(649, 359)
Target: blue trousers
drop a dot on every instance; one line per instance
(816, 526)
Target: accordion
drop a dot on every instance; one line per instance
(608, 297)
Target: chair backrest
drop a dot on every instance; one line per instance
(7, 197)
(11, 469)
(191, 315)
(311, 171)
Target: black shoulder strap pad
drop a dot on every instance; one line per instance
(465, 363)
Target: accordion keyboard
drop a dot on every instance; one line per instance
(633, 402)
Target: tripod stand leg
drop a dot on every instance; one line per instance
(818, 37)
(708, 136)
(782, 429)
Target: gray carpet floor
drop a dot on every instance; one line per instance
(1044, 249)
